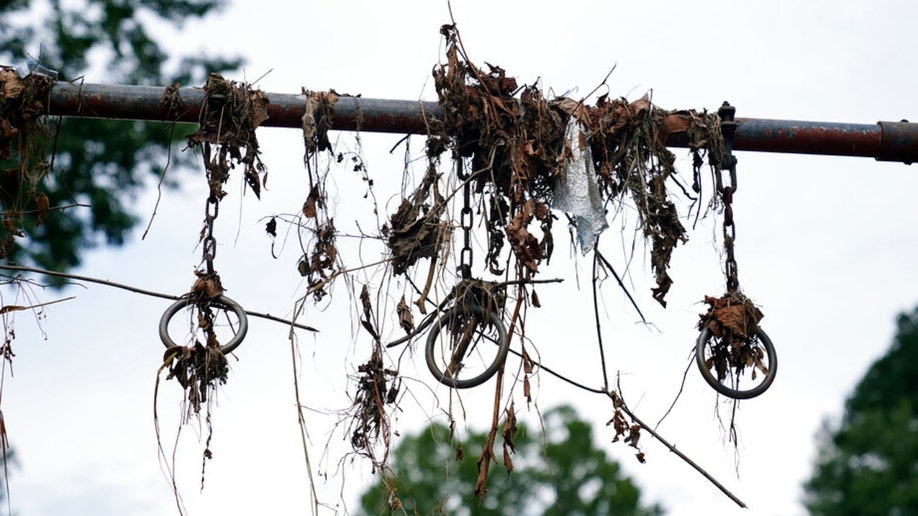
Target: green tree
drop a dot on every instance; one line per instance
(99, 163)
(556, 471)
(869, 463)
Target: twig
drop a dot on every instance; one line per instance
(620, 283)
(602, 350)
(678, 394)
(164, 461)
(301, 419)
(159, 185)
(61, 207)
(421, 301)
(137, 290)
(558, 375)
(620, 403)
(17, 308)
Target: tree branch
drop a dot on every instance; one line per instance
(136, 290)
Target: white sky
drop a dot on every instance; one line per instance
(825, 246)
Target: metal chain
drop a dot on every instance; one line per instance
(209, 242)
(728, 163)
(465, 221)
(217, 174)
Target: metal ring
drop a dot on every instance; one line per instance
(736, 393)
(221, 302)
(503, 347)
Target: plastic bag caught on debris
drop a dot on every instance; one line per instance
(577, 190)
(33, 66)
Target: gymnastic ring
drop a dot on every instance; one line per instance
(503, 347)
(220, 302)
(737, 394)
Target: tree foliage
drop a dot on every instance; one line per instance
(558, 471)
(869, 464)
(101, 164)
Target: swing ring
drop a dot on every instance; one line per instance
(222, 302)
(737, 394)
(503, 347)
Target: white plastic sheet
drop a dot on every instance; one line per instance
(577, 190)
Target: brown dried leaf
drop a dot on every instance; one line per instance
(259, 108)
(314, 198)
(207, 286)
(527, 389)
(509, 435)
(365, 302)
(673, 123)
(12, 84)
(42, 205)
(405, 319)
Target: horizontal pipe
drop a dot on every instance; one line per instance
(884, 141)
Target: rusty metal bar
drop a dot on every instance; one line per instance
(884, 141)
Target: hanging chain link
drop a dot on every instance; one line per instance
(217, 170)
(465, 221)
(728, 165)
(209, 242)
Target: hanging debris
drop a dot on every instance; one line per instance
(529, 154)
(416, 230)
(233, 112)
(734, 320)
(22, 110)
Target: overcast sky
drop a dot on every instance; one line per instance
(826, 247)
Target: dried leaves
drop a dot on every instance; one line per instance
(377, 387)
(629, 433)
(416, 230)
(733, 320)
(315, 130)
(198, 369)
(317, 265)
(22, 107)
(231, 114)
(514, 139)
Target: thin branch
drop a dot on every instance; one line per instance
(162, 178)
(678, 394)
(602, 350)
(558, 375)
(620, 403)
(301, 419)
(621, 284)
(136, 290)
(61, 207)
(17, 308)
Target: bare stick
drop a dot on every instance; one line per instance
(620, 403)
(159, 185)
(16, 308)
(136, 290)
(301, 419)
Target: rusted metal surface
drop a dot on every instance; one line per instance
(801, 137)
(285, 110)
(885, 141)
